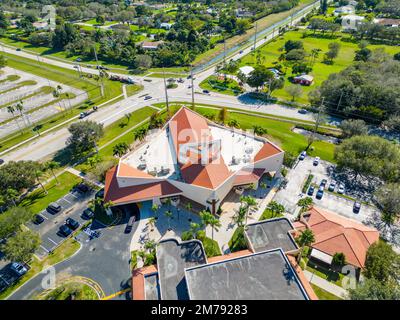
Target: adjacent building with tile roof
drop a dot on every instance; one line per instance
(334, 234)
(193, 157)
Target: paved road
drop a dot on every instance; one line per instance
(104, 260)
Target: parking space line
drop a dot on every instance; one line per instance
(73, 195)
(66, 200)
(44, 248)
(52, 241)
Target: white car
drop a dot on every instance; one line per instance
(340, 190)
(316, 161)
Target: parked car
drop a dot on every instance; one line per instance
(54, 208)
(340, 189)
(323, 183)
(18, 268)
(316, 161)
(1, 161)
(148, 97)
(83, 188)
(78, 59)
(18, 49)
(310, 191)
(65, 230)
(130, 223)
(320, 193)
(302, 111)
(356, 207)
(332, 186)
(206, 91)
(38, 219)
(303, 155)
(88, 214)
(180, 80)
(72, 223)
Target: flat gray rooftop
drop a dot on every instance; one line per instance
(172, 259)
(271, 234)
(151, 286)
(260, 276)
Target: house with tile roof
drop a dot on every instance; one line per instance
(336, 234)
(194, 158)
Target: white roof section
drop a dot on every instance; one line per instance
(305, 77)
(246, 70)
(353, 17)
(322, 256)
(155, 154)
(237, 149)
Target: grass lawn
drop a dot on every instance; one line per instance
(132, 89)
(329, 275)
(271, 51)
(38, 200)
(80, 291)
(64, 251)
(268, 214)
(324, 295)
(238, 241)
(230, 86)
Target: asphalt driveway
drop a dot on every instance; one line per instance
(104, 259)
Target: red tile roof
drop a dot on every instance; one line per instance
(247, 176)
(112, 191)
(128, 171)
(334, 233)
(266, 151)
(187, 126)
(138, 289)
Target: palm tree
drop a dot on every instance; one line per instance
(169, 216)
(249, 202)
(208, 219)
(20, 107)
(240, 216)
(168, 202)
(214, 224)
(150, 245)
(94, 202)
(140, 134)
(120, 149)
(306, 238)
(152, 222)
(108, 205)
(52, 165)
(12, 195)
(11, 109)
(154, 208)
(39, 174)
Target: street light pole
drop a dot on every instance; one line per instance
(191, 78)
(166, 92)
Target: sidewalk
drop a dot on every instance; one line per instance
(326, 285)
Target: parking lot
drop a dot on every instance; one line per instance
(72, 205)
(332, 201)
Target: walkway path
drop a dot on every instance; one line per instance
(326, 285)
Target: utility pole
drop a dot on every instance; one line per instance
(255, 37)
(100, 74)
(191, 78)
(340, 100)
(224, 50)
(312, 136)
(166, 92)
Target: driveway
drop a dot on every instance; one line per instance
(330, 201)
(104, 259)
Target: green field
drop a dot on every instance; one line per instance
(271, 51)
(37, 200)
(324, 295)
(230, 86)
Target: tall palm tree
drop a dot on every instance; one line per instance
(39, 174)
(189, 206)
(52, 165)
(11, 109)
(194, 227)
(240, 216)
(306, 238)
(152, 222)
(20, 107)
(154, 208)
(214, 224)
(249, 202)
